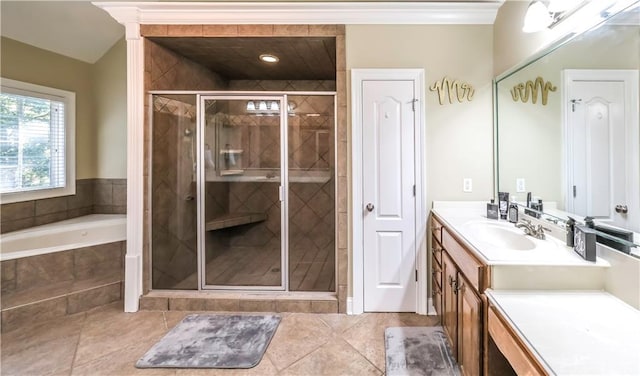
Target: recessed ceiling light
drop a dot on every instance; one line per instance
(268, 58)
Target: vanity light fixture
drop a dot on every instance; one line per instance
(262, 106)
(274, 106)
(269, 58)
(251, 106)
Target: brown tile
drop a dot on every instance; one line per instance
(103, 209)
(334, 355)
(98, 260)
(224, 305)
(51, 205)
(343, 267)
(342, 230)
(148, 303)
(340, 322)
(25, 315)
(264, 368)
(342, 126)
(187, 304)
(153, 31)
(18, 210)
(83, 197)
(50, 218)
(322, 30)
(44, 269)
(107, 328)
(341, 60)
(18, 224)
(324, 306)
(36, 294)
(298, 335)
(184, 30)
(301, 306)
(342, 298)
(342, 158)
(257, 305)
(122, 362)
(119, 195)
(341, 29)
(86, 300)
(41, 331)
(341, 88)
(291, 30)
(44, 358)
(102, 192)
(255, 30)
(8, 275)
(219, 30)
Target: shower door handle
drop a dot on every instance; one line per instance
(370, 207)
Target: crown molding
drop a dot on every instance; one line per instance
(203, 13)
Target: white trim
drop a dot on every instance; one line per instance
(190, 13)
(357, 77)
(135, 169)
(350, 306)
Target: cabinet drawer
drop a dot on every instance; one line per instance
(468, 264)
(518, 356)
(436, 228)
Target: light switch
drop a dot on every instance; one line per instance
(520, 186)
(467, 185)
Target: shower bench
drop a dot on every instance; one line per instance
(234, 219)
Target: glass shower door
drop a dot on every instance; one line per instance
(240, 195)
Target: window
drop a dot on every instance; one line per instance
(37, 142)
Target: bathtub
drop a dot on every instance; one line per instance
(69, 234)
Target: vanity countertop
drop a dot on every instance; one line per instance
(574, 332)
(549, 252)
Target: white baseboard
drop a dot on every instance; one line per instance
(349, 305)
(431, 310)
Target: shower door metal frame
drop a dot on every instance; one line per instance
(283, 188)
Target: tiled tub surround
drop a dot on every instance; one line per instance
(165, 70)
(56, 284)
(61, 268)
(93, 196)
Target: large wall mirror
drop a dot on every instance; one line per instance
(567, 126)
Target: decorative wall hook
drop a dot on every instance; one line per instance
(523, 91)
(455, 89)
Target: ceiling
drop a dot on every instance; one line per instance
(308, 58)
(75, 29)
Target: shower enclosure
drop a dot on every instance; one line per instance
(243, 191)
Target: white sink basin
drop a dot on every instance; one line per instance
(501, 236)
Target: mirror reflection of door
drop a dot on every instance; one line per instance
(601, 155)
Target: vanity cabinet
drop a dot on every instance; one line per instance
(462, 278)
(436, 265)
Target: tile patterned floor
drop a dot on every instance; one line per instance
(107, 341)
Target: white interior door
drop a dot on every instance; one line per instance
(603, 156)
(389, 202)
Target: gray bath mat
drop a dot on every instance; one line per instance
(418, 351)
(213, 341)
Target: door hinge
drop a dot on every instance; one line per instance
(416, 275)
(414, 190)
(573, 104)
(574, 191)
(413, 104)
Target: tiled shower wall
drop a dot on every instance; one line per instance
(93, 196)
(173, 218)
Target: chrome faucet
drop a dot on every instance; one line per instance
(533, 230)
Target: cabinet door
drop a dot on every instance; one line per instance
(469, 328)
(449, 302)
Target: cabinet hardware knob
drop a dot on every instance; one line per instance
(624, 209)
(370, 207)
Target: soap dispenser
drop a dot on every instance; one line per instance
(513, 210)
(570, 227)
(493, 212)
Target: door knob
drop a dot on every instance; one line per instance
(370, 207)
(622, 209)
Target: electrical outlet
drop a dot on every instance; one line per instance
(520, 187)
(467, 185)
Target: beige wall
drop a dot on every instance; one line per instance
(459, 136)
(26, 63)
(110, 116)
